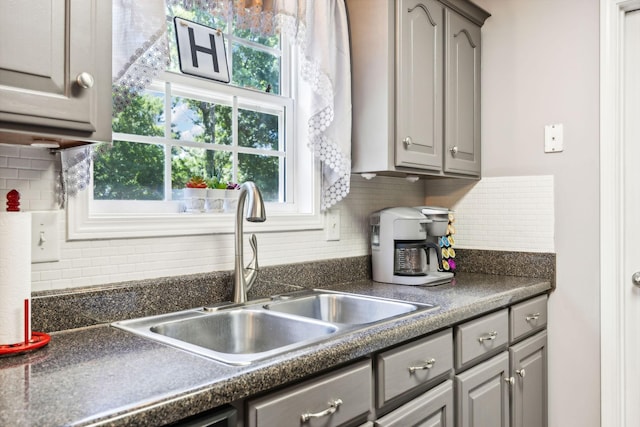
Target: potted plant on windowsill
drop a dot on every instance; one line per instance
(216, 193)
(195, 194)
(231, 197)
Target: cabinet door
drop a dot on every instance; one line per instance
(529, 391)
(419, 103)
(483, 394)
(432, 409)
(45, 46)
(462, 97)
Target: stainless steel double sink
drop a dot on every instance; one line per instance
(239, 334)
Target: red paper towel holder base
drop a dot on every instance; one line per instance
(37, 340)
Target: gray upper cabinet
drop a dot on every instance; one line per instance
(462, 97)
(408, 58)
(55, 70)
(420, 84)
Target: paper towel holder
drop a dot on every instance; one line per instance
(37, 340)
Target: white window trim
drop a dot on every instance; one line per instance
(86, 225)
(302, 214)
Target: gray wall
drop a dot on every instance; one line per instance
(540, 66)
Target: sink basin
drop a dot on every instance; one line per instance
(243, 331)
(240, 334)
(342, 308)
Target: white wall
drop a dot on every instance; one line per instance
(540, 66)
(33, 172)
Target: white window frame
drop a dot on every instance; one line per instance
(301, 211)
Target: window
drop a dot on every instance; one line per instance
(183, 126)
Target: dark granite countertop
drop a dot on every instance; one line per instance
(100, 375)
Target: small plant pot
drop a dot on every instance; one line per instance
(194, 199)
(231, 200)
(215, 200)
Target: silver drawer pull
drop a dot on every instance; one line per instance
(521, 372)
(489, 337)
(333, 407)
(510, 380)
(531, 317)
(428, 364)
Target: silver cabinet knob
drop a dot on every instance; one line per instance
(521, 372)
(85, 80)
(510, 380)
(453, 150)
(636, 278)
(407, 141)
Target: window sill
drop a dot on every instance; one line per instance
(86, 224)
(114, 226)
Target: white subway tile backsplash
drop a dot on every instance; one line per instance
(8, 151)
(500, 213)
(34, 172)
(508, 213)
(18, 163)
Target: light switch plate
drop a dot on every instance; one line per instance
(553, 138)
(332, 225)
(45, 237)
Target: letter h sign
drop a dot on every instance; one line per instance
(201, 50)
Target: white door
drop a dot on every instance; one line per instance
(631, 212)
(620, 212)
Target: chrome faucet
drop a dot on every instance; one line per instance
(245, 277)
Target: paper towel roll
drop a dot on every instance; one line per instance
(15, 275)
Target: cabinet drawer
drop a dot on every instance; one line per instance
(312, 399)
(481, 337)
(413, 364)
(528, 317)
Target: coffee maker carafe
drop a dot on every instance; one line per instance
(401, 251)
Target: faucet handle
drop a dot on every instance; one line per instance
(253, 241)
(251, 271)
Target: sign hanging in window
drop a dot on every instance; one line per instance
(201, 50)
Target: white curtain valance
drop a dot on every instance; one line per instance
(317, 28)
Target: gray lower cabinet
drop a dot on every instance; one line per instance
(482, 394)
(528, 368)
(413, 365)
(487, 372)
(527, 318)
(480, 338)
(510, 388)
(432, 409)
(340, 398)
(55, 70)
